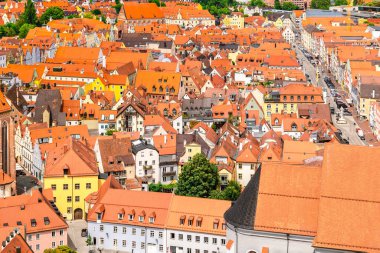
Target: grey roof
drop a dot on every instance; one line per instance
(322, 13)
(50, 100)
(242, 213)
(370, 87)
(139, 145)
(17, 99)
(190, 138)
(142, 39)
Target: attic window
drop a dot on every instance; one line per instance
(5, 224)
(120, 216)
(199, 222)
(141, 218)
(65, 171)
(151, 219)
(46, 220)
(130, 216)
(216, 224)
(312, 98)
(190, 221)
(19, 223)
(182, 220)
(33, 222)
(224, 226)
(99, 216)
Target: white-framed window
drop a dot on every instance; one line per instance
(115, 229)
(141, 218)
(124, 243)
(115, 242)
(151, 233)
(151, 219)
(124, 230)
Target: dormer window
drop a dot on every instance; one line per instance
(151, 219)
(182, 220)
(131, 217)
(33, 222)
(141, 218)
(224, 226)
(190, 221)
(99, 217)
(216, 224)
(199, 222)
(65, 171)
(46, 220)
(121, 216)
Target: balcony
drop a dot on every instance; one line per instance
(147, 167)
(169, 173)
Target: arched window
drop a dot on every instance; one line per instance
(174, 112)
(4, 146)
(154, 88)
(161, 89)
(294, 127)
(276, 122)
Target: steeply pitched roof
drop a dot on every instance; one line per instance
(4, 106)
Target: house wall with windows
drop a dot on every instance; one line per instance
(126, 238)
(40, 241)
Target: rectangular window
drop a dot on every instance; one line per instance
(160, 234)
(53, 187)
(189, 238)
(88, 185)
(61, 232)
(223, 241)
(142, 245)
(115, 229)
(69, 210)
(161, 247)
(37, 236)
(151, 233)
(133, 231)
(101, 240)
(205, 240)
(53, 234)
(68, 199)
(77, 186)
(180, 237)
(115, 242)
(101, 228)
(124, 230)
(172, 236)
(65, 186)
(76, 198)
(124, 243)
(37, 247)
(197, 238)
(60, 243)
(53, 245)
(214, 241)
(142, 232)
(133, 244)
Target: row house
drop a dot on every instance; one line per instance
(36, 213)
(157, 222)
(114, 157)
(147, 160)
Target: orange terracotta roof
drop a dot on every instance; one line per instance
(136, 11)
(294, 187)
(4, 106)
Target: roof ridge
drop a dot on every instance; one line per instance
(288, 196)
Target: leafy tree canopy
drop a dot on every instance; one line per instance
(24, 29)
(51, 12)
(96, 12)
(320, 4)
(60, 249)
(341, 2)
(231, 192)
(259, 3)
(289, 6)
(198, 178)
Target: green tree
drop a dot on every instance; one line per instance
(340, 2)
(30, 15)
(96, 12)
(217, 194)
(320, 4)
(289, 6)
(24, 29)
(60, 249)
(117, 7)
(198, 178)
(51, 12)
(110, 132)
(277, 4)
(232, 191)
(259, 3)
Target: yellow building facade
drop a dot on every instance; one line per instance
(235, 20)
(69, 193)
(99, 85)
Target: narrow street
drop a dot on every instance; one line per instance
(348, 129)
